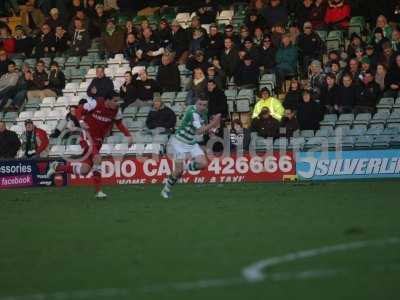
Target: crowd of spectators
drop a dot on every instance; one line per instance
(277, 37)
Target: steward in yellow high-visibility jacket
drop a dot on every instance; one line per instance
(266, 100)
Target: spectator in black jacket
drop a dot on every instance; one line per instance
(392, 79)
(229, 58)
(198, 60)
(254, 20)
(216, 43)
(265, 125)
(275, 12)
(215, 73)
(150, 49)
(346, 95)
(217, 102)
(309, 113)
(267, 55)
(161, 118)
(9, 142)
(45, 43)
(294, 96)
(180, 42)
(329, 94)
(247, 74)
(367, 96)
(80, 39)
(146, 87)
(128, 91)
(55, 20)
(101, 85)
(168, 76)
(56, 78)
(289, 123)
(4, 62)
(61, 41)
(310, 45)
(23, 43)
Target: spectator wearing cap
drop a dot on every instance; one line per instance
(265, 124)
(310, 45)
(247, 74)
(168, 76)
(317, 14)
(229, 58)
(45, 43)
(7, 41)
(216, 43)
(286, 60)
(275, 12)
(24, 44)
(79, 39)
(392, 80)
(35, 141)
(217, 101)
(266, 100)
(309, 113)
(180, 42)
(252, 50)
(379, 40)
(55, 19)
(161, 118)
(365, 65)
(9, 142)
(338, 14)
(98, 21)
(230, 33)
(101, 85)
(32, 18)
(207, 11)
(150, 50)
(8, 84)
(164, 34)
(367, 94)
(39, 83)
(198, 60)
(267, 55)
(254, 20)
(113, 39)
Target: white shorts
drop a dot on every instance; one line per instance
(181, 150)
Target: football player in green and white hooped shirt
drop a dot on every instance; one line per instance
(184, 143)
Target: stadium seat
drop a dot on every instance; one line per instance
(33, 104)
(160, 139)
(357, 130)
(86, 61)
(376, 130)
(381, 142)
(57, 151)
(380, 117)
(348, 142)
(334, 40)
(307, 134)
(106, 149)
(322, 34)
(385, 103)
(345, 119)
(329, 120)
(397, 104)
(362, 119)
(225, 17)
(71, 88)
(120, 149)
(245, 94)
(242, 105)
(281, 143)
(72, 61)
(394, 117)
(356, 25)
(48, 102)
(143, 111)
(136, 149)
(40, 115)
(324, 132)
(263, 144)
(73, 150)
(83, 86)
(10, 116)
(364, 142)
(25, 115)
(230, 94)
(130, 111)
(152, 148)
(18, 129)
(168, 96)
(297, 143)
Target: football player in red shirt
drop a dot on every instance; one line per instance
(97, 119)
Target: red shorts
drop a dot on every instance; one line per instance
(90, 152)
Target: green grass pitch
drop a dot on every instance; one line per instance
(60, 243)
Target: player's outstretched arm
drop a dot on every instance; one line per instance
(216, 120)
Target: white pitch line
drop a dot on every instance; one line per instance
(254, 272)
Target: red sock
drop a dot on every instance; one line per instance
(67, 168)
(97, 180)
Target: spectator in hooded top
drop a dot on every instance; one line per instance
(61, 41)
(346, 95)
(251, 50)
(294, 96)
(217, 102)
(310, 45)
(267, 55)
(247, 74)
(338, 14)
(131, 48)
(367, 94)
(70, 123)
(101, 85)
(392, 79)
(161, 118)
(286, 60)
(230, 33)
(229, 58)
(275, 12)
(9, 142)
(266, 100)
(168, 75)
(113, 39)
(309, 113)
(80, 40)
(35, 141)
